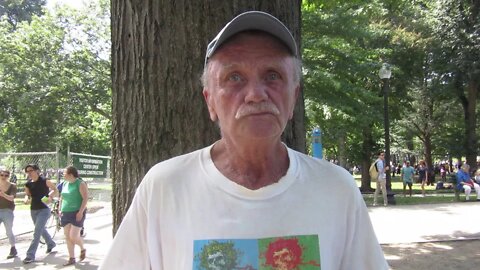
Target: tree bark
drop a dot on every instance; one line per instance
(342, 151)
(469, 104)
(158, 109)
(471, 124)
(367, 147)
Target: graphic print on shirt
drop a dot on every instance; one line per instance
(279, 253)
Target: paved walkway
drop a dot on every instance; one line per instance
(426, 222)
(98, 227)
(397, 228)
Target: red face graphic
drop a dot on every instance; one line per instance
(284, 254)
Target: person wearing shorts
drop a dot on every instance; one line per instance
(407, 177)
(73, 205)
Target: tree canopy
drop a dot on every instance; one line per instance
(55, 81)
(55, 86)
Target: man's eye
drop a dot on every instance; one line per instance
(273, 76)
(235, 77)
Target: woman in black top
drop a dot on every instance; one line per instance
(37, 188)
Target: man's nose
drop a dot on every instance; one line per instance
(257, 91)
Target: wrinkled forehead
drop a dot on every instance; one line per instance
(249, 48)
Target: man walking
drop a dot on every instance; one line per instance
(407, 177)
(382, 179)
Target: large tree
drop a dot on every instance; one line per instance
(54, 82)
(344, 44)
(458, 29)
(157, 58)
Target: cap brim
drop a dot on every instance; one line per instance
(253, 20)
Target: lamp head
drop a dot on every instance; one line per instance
(385, 71)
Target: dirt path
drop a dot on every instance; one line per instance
(447, 255)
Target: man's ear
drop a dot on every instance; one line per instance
(295, 97)
(210, 104)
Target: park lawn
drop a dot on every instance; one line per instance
(432, 195)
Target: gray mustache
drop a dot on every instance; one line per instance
(256, 108)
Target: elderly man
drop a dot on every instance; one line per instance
(465, 182)
(248, 191)
(381, 179)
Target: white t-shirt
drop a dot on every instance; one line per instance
(381, 169)
(187, 215)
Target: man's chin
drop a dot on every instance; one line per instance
(264, 131)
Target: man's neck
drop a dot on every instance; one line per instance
(253, 166)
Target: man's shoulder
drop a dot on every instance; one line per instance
(181, 159)
(176, 166)
(306, 160)
(322, 168)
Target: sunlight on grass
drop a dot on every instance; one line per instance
(432, 195)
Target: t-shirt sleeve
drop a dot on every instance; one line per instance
(129, 249)
(363, 250)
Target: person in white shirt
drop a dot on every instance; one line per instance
(382, 179)
(247, 201)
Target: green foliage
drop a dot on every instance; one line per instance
(16, 11)
(342, 55)
(55, 82)
(457, 26)
(427, 43)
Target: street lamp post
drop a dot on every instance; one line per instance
(385, 73)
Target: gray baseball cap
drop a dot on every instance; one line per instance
(253, 20)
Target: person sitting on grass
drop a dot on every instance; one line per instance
(464, 181)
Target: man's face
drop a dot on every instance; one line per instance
(216, 261)
(382, 156)
(284, 259)
(250, 89)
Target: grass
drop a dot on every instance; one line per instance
(432, 195)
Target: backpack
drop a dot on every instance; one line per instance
(373, 171)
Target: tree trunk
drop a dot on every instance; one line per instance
(427, 144)
(471, 124)
(158, 110)
(342, 151)
(367, 146)
(410, 147)
(469, 104)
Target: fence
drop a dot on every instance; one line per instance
(52, 163)
(49, 163)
